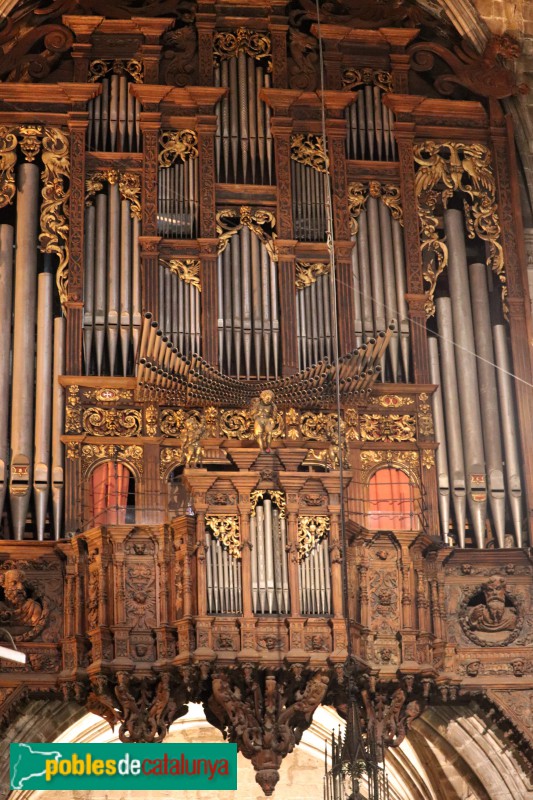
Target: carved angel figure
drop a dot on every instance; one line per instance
(264, 412)
(193, 453)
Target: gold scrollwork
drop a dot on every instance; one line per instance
(187, 269)
(236, 423)
(172, 421)
(366, 76)
(311, 529)
(244, 40)
(388, 428)
(73, 410)
(54, 207)
(177, 144)
(308, 271)
(8, 159)
(443, 169)
(425, 417)
(98, 68)
(112, 422)
(230, 222)
(428, 459)
(131, 455)
(308, 148)
(391, 400)
(30, 137)
(150, 420)
(277, 496)
(226, 530)
(169, 456)
(129, 185)
(317, 426)
(358, 194)
(407, 460)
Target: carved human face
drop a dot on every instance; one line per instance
(14, 590)
(267, 397)
(495, 598)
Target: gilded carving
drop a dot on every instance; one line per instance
(408, 460)
(445, 168)
(308, 148)
(391, 400)
(112, 422)
(277, 496)
(98, 68)
(308, 271)
(425, 417)
(311, 529)
(358, 194)
(244, 40)
(226, 530)
(177, 145)
(172, 420)
(428, 459)
(54, 207)
(192, 452)
(129, 184)
(8, 160)
(264, 413)
(262, 223)
(187, 269)
(388, 428)
(150, 420)
(353, 77)
(108, 395)
(73, 410)
(30, 141)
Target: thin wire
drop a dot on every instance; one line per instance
(330, 238)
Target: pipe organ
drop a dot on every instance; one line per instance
(253, 295)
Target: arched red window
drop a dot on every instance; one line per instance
(391, 501)
(109, 493)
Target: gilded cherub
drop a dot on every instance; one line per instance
(193, 453)
(264, 412)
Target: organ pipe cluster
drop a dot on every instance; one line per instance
(248, 309)
(177, 201)
(370, 123)
(224, 578)
(380, 284)
(179, 304)
(31, 453)
(315, 580)
(308, 202)
(114, 118)
(478, 461)
(244, 144)
(112, 284)
(270, 580)
(313, 314)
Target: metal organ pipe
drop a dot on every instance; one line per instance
(58, 413)
(43, 400)
(488, 394)
(463, 329)
(22, 406)
(315, 580)
(443, 476)
(6, 292)
(269, 572)
(369, 134)
(114, 118)
(510, 434)
(451, 405)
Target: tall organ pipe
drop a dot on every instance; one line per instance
(401, 290)
(510, 434)
(463, 329)
(451, 405)
(43, 401)
(24, 344)
(113, 274)
(440, 434)
(88, 284)
(100, 279)
(488, 394)
(6, 291)
(125, 281)
(58, 413)
(389, 282)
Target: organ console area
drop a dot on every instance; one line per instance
(208, 249)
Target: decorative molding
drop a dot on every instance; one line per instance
(358, 194)
(443, 169)
(255, 44)
(177, 144)
(132, 455)
(99, 68)
(277, 496)
(112, 422)
(407, 460)
(308, 149)
(353, 77)
(230, 221)
(387, 427)
(226, 530)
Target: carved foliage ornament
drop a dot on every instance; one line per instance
(358, 194)
(99, 69)
(308, 148)
(262, 223)
(112, 422)
(131, 456)
(129, 185)
(73, 410)
(407, 460)
(226, 530)
(443, 169)
(366, 76)
(176, 145)
(388, 428)
(187, 269)
(244, 40)
(307, 272)
(53, 144)
(275, 495)
(311, 529)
